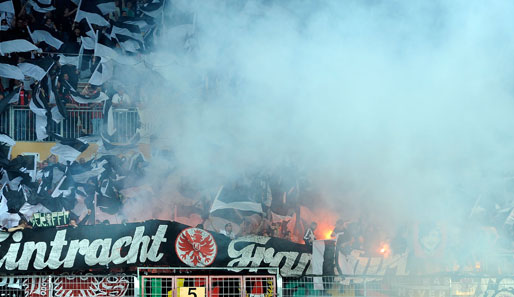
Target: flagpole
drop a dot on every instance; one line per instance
(81, 53)
(30, 33)
(78, 9)
(216, 198)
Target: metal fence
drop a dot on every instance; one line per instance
(208, 285)
(405, 286)
(68, 286)
(20, 123)
(252, 285)
(208, 282)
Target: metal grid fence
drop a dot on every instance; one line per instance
(20, 123)
(193, 285)
(399, 286)
(67, 286)
(208, 286)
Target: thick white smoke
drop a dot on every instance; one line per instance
(399, 109)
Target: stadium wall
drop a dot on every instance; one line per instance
(43, 149)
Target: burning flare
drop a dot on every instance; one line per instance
(385, 250)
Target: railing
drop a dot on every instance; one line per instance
(68, 286)
(221, 284)
(399, 286)
(19, 123)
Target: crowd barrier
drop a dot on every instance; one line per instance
(244, 284)
(400, 286)
(19, 123)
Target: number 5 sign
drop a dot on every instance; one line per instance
(192, 292)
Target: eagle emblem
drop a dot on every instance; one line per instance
(196, 247)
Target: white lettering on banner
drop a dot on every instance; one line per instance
(92, 252)
(484, 287)
(57, 244)
(11, 263)
(100, 251)
(28, 250)
(355, 264)
(116, 257)
(158, 238)
(253, 256)
(69, 260)
(139, 242)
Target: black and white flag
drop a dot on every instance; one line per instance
(69, 60)
(43, 35)
(104, 47)
(98, 97)
(234, 199)
(42, 6)
(129, 30)
(16, 46)
(129, 45)
(153, 9)
(106, 6)
(232, 203)
(6, 6)
(102, 73)
(11, 71)
(39, 106)
(36, 69)
(68, 149)
(89, 9)
(88, 35)
(6, 144)
(144, 23)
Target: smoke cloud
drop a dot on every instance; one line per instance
(397, 110)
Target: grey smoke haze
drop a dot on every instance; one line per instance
(401, 110)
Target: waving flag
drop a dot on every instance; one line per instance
(16, 46)
(68, 149)
(11, 71)
(153, 9)
(102, 73)
(6, 144)
(6, 6)
(44, 35)
(98, 97)
(36, 69)
(89, 9)
(106, 6)
(69, 60)
(129, 30)
(42, 6)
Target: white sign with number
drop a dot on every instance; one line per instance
(192, 292)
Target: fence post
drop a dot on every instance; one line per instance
(11, 122)
(50, 286)
(278, 279)
(365, 287)
(450, 287)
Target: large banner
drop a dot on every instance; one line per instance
(152, 243)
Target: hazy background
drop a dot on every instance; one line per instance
(398, 110)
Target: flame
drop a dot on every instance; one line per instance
(324, 231)
(385, 250)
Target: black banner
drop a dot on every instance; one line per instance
(152, 243)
